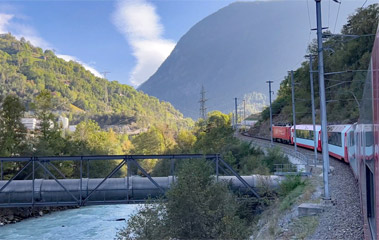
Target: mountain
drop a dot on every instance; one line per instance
(25, 70)
(232, 52)
(349, 60)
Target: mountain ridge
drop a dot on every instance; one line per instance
(227, 53)
(26, 70)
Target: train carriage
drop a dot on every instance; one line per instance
(337, 141)
(305, 136)
(367, 147)
(351, 149)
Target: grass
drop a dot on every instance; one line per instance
(291, 198)
(303, 227)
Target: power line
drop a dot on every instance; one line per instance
(329, 14)
(338, 12)
(364, 3)
(309, 16)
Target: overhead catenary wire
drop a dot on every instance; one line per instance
(338, 12)
(309, 16)
(364, 4)
(329, 15)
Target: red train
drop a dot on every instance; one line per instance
(356, 144)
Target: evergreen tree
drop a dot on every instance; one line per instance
(13, 132)
(50, 140)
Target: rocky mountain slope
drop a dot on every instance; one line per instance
(231, 52)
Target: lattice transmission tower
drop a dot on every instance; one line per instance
(203, 109)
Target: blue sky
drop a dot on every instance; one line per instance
(127, 38)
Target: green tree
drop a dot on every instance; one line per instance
(89, 139)
(50, 140)
(341, 89)
(215, 135)
(13, 132)
(185, 141)
(196, 207)
(150, 142)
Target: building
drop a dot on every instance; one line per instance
(29, 123)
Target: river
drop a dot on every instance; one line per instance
(93, 222)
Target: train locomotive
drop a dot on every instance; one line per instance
(356, 144)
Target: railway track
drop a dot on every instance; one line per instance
(305, 155)
(344, 220)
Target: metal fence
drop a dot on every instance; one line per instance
(305, 160)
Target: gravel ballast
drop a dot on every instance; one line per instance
(342, 220)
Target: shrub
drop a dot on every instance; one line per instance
(196, 207)
(289, 184)
(274, 156)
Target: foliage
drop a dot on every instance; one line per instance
(289, 184)
(26, 71)
(274, 156)
(214, 134)
(342, 54)
(13, 132)
(147, 224)
(49, 140)
(196, 208)
(291, 198)
(185, 141)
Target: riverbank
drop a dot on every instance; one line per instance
(14, 215)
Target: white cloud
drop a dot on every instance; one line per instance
(68, 58)
(138, 21)
(4, 22)
(8, 23)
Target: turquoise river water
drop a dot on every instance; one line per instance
(94, 222)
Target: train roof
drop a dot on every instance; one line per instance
(338, 128)
(307, 127)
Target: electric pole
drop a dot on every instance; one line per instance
(203, 109)
(293, 109)
(269, 93)
(235, 103)
(244, 112)
(324, 130)
(313, 104)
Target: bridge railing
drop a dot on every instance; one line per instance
(80, 191)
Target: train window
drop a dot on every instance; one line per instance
(370, 201)
(369, 139)
(334, 138)
(305, 134)
(352, 143)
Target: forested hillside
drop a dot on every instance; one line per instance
(26, 70)
(349, 56)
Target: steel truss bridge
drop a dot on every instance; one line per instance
(26, 188)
